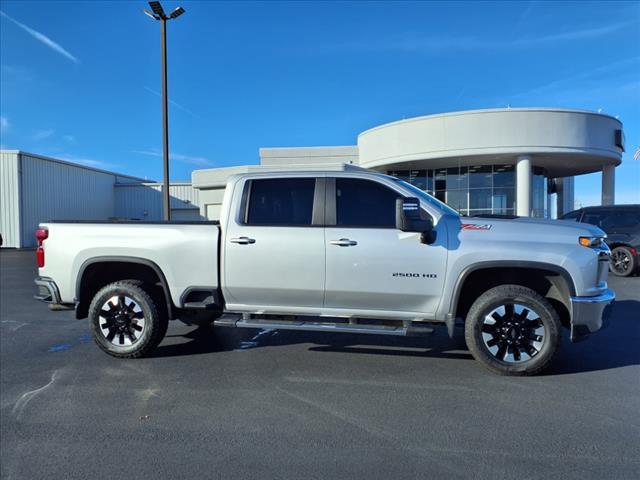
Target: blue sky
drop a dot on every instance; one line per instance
(80, 80)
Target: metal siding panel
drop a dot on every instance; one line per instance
(144, 201)
(10, 199)
(52, 190)
(138, 202)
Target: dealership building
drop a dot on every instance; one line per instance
(498, 161)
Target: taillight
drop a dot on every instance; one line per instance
(41, 235)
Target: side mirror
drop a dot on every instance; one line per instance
(410, 219)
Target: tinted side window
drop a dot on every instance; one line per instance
(281, 201)
(363, 203)
(594, 218)
(622, 219)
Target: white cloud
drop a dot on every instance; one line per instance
(572, 35)
(175, 104)
(4, 123)
(69, 138)
(42, 38)
(418, 43)
(89, 162)
(43, 134)
(570, 82)
(190, 159)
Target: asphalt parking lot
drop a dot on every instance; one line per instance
(245, 404)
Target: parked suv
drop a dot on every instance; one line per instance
(622, 226)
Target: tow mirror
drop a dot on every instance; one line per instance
(410, 218)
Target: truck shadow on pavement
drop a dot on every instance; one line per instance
(210, 340)
(614, 347)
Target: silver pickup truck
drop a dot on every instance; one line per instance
(342, 250)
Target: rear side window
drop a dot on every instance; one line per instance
(281, 201)
(363, 203)
(622, 219)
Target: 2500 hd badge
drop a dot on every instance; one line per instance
(415, 275)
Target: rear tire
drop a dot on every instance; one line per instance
(622, 262)
(512, 330)
(127, 319)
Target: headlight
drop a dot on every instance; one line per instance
(591, 242)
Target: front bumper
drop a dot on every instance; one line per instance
(590, 314)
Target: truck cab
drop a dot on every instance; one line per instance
(328, 244)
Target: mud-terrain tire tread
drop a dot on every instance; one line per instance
(156, 319)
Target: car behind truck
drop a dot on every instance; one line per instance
(340, 250)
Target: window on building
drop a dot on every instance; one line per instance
(504, 176)
(479, 189)
(481, 176)
(440, 180)
(458, 200)
(480, 198)
(539, 193)
(283, 201)
(457, 178)
(364, 203)
(504, 201)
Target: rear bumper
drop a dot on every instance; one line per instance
(47, 290)
(590, 314)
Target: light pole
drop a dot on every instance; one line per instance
(158, 14)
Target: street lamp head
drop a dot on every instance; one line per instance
(158, 10)
(177, 12)
(151, 15)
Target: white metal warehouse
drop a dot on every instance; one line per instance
(35, 189)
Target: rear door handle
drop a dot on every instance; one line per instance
(344, 242)
(243, 240)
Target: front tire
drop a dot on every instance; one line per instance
(622, 262)
(512, 330)
(127, 319)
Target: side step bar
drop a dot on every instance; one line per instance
(338, 327)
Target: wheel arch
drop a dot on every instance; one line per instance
(130, 268)
(551, 281)
(621, 243)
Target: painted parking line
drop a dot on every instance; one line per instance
(81, 340)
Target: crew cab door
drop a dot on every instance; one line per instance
(370, 264)
(274, 244)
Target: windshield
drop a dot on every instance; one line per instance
(427, 198)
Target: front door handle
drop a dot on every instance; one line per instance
(344, 242)
(243, 240)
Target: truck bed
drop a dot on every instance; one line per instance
(185, 252)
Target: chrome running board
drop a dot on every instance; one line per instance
(404, 329)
